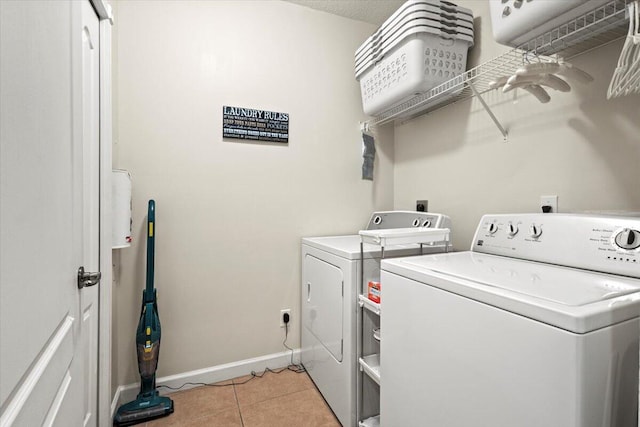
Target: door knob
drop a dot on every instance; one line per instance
(88, 279)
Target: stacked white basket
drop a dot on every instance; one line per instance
(423, 44)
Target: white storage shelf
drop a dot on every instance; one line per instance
(404, 236)
(372, 306)
(370, 422)
(589, 31)
(371, 366)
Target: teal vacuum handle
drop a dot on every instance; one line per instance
(151, 225)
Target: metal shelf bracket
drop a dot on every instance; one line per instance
(505, 135)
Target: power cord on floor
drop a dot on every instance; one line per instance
(298, 369)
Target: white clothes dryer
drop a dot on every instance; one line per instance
(536, 326)
(330, 283)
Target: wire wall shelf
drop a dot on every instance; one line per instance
(459, 88)
(587, 32)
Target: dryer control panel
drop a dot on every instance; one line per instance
(609, 244)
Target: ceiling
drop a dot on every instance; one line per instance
(371, 11)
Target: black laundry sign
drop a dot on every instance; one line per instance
(260, 125)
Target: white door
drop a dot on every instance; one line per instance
(48, 327)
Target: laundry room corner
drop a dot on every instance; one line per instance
(579, 146)
(320, 213)
(231, 213)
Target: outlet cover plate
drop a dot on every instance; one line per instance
(549, 201)
(422, 205)
(282, 312)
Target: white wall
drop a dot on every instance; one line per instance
(580, 147)
(230, 215)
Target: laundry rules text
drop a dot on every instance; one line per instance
(259, 125)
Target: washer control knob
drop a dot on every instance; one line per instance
(377, 219)
(426, 223)
(535, 231)
(492, 228)
(628, 239)
(512, 229)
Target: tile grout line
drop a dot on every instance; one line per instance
(312, 388)
(278, 397)
(237, 403)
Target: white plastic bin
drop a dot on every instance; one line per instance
(421, 62)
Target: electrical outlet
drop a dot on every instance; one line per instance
(551, 201)
(422, 205)
(282, 313)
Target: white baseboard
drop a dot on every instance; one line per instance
(115, 403)
(214, 374)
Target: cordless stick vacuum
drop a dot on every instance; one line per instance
(149, 404)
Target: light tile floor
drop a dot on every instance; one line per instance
(274, 400)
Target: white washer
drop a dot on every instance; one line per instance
(536, 326)
(329, 295)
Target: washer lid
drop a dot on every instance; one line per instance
(573, 299)
(566, 286)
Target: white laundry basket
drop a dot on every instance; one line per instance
(422, 61)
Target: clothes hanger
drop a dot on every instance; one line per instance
(535, 89)
(534, 76)
(624, 70)
(550, 80)
(539, 92)
(560, 67)
(630, 82)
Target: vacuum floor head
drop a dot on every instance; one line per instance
(143, 409)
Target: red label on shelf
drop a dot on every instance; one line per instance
(374, 292)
